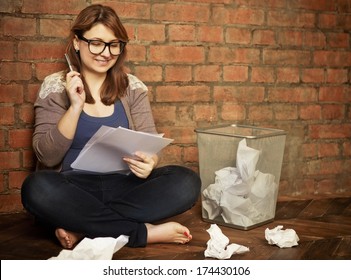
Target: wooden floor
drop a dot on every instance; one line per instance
(323, 226)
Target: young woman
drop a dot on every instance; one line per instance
(70, 108)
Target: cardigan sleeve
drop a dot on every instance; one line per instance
(139, 108)
(49, 145)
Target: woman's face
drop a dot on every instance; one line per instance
(96, 63)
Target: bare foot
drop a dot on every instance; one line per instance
(67, 239)
(170, 232)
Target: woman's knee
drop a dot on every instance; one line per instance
(189, 179)
(36, 188)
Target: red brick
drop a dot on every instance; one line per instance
(233, 55)
(14, 26)
(57, 7)
(9, 160)
(239, 94)
(262, 4)
(130, 10)
(263, 37)
(32, 93)
(332, 58)
(176, 54)
(11, 93)
(180, 12)
(44, 69)
(327, 20)
(181, 32)
(316, 5)
(151, 32)
(331, 131)
(207, 73)
(185, 115)
(205, 113)
(16, 179)
(7, 50)
(285, 112)
(136, 53)
(333, 112)
(235, 73)
(309, 150)
(165, 115)
(182, 93)
(315, 39)
(29, 159)
(310, 112)
(2, 183)
(331, 167)
(335, 94)
(10, 6)
(55, 27)
(45, 50)
(262, 75)
(290, 38)
(339, 40)
(346, 148)
(190, 154)
(213, 34)
(149, 73)
(20, 138)
(338, 76)
(288, 19)
(10, 203)
(245, 16)
(181, 135)
(313, 75)
(171, 154)
(15, 71)
(7, 115)
(238, 36)
(233, 112)
(328, 150)
(260, 113)
(297, 94)
(287, 75)
(178, 73)
(286, 57)
(26, 113)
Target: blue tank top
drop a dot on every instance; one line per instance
(86, 128)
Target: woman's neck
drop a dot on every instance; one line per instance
(94, 82)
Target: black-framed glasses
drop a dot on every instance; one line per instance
(98, 46)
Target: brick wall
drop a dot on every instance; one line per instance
(270, 63)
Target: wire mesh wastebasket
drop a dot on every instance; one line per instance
(240, 170)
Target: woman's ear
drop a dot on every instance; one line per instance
(75, 44)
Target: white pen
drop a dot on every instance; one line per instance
(69, 62)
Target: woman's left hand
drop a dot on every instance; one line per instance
(143, 165)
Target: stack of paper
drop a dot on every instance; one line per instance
(105, 150)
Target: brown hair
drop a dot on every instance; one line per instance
(116, 81)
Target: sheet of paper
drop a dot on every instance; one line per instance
(104, 152)
(100, 248)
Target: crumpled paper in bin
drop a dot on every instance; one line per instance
(241, 195)
(217, 246)
(101, 248)
(283, 238)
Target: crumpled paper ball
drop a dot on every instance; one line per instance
(217, 246)
(283, 238)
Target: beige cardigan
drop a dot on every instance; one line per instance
(50, 146)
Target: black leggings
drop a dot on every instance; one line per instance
(110, 205)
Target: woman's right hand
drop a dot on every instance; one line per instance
(75, 90)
